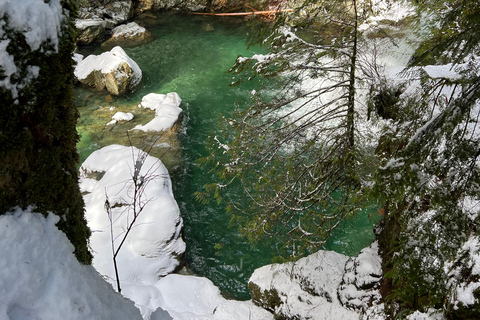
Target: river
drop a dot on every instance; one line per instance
(190, 55)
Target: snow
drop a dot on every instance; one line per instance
(127, 30)
(85, 23)
(41, 278)
(39, 22)
(120, 116)
(190, 297)
(307, 288)
(385, 9)
(429, 315)
(152, 247)
(108, 62)
(360, 286)
(7, 64)
(167, 111)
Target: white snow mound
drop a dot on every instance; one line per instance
(41, 278)
(167, 111)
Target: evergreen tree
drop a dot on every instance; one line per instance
(294, 151)
(429, 178)
(38, 156)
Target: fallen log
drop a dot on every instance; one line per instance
(242, 13)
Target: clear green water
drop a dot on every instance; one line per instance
(191, 59)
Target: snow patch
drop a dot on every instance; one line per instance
(167, 111)
(42, 279)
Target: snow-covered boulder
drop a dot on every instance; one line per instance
(305, 289)
(90, 30)
(167, 112)
(42, 279)
(154, 247)
(128, 35)
(113, 70)
(361, 281)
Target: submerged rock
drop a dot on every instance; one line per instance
(90, 30)
(113, 70)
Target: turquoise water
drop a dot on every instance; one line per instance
(190, 56)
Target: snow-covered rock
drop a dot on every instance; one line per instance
(112, 12)
(128, 35)
(305, 289)
(130, 31)
(154, 247)
(90, 30)
(41, 278)
(121, 116)
(361, 281)
(167, 111)
(113, 70)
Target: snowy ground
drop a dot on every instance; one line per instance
(40, 277)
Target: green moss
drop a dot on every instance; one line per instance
(38, 139)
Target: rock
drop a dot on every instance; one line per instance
(361, 282)
(306, 289)
(118, 12)
(167, 112)
(128, 35)
(110, 11)
(207, 27)
(113, 70)
(232, 5)
(121, 116)
(154, 247)
(90, 30)
(188, 5)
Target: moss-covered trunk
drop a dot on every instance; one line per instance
(38, 155)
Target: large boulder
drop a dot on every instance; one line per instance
(127, 36)
(113, 70)
(154, 246)
(90, 30)
(305, 289)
